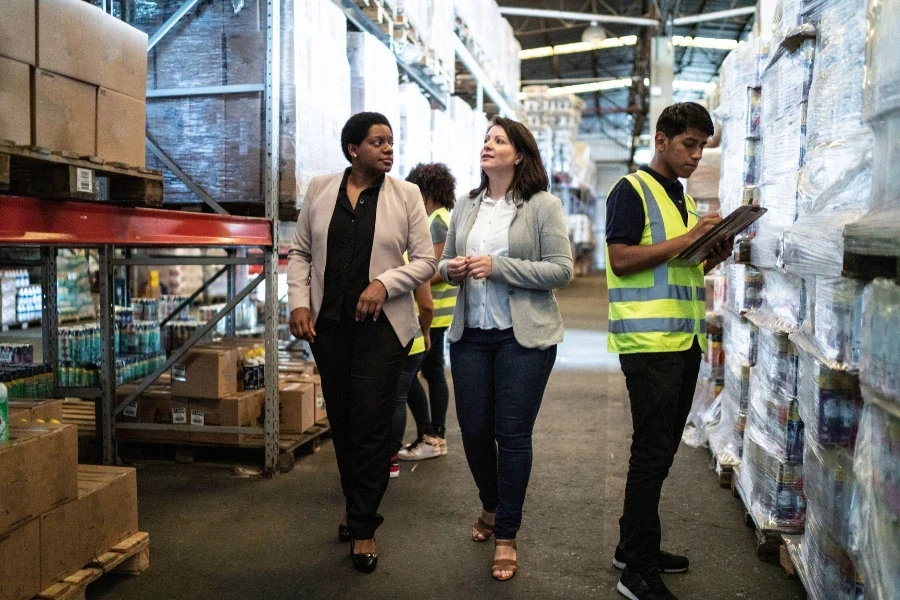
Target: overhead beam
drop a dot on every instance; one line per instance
(576, 16)
(715, 16)
(168, 25)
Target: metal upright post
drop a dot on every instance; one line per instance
(50, 321)
(273, 118)
(105, 420)
(231, 286)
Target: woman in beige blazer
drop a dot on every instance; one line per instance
(351, 297)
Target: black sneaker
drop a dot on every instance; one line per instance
(644, 585)
(668, 563)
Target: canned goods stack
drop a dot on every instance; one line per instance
(176, 333)
(167, 304)
(145, 309)
(27, 381)
(16, 354)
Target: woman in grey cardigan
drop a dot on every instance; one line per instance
(508, 249)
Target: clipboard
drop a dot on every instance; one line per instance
(728, 228)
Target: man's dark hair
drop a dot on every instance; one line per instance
(678, 118)
(436, 182)
(357, 128)
(530, 175)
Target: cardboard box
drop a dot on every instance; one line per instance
(38, 471)
(15, 98)
(17, 31)
(121, 127)
(78, 40)
(156, 405)
(108, 508)
(35, 410)
(207, 373)
(20, 562)
(243, 409)
(64, 114)
(103, 515)
(297, 402)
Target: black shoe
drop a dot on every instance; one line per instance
(643, 585)
(343, 533)
(668, 563)
(364, 563)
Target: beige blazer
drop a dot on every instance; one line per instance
(401, 225)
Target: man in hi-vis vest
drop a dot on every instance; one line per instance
(657, 326)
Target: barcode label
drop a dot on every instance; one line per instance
(320, 401)
(179, 415)
(84, 180)
(131, 410)
(198, 417)
(179, 372)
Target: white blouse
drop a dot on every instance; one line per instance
(487, 301)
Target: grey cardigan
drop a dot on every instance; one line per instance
(539, 261)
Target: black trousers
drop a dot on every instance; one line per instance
(359, 364)
(661, 389)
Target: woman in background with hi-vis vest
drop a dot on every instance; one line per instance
(438, 188)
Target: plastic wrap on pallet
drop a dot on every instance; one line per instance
(740, 71)
(774, 419)
(877, 469)
(414, 129)
(830, 403)
(789, 15)
(835, 324)
(830, 486)
(726, 436)
(777, 364)
(739, 340)
(783, 302)
(374, 79)
(881, 89)
(705, 410)
(830, 569)
(773, 489)
(744, 288)
(880, 344)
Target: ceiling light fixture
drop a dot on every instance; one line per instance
(544, 51)
(593, 34)
(614, 84)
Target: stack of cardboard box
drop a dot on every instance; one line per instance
(56, 516)
(208, 388)
(72, 78)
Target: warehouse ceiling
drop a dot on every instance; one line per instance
(614, 112)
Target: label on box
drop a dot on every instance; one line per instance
(198, 417)
(179, 415)
(179, 372)
(84, 181)
(131, 410)
(320, 401)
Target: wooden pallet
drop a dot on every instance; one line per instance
(81, 413)
(380, 14)
(290, 445)
(131, 556)
(768, 541)
(33, 171)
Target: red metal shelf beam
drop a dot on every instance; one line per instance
(32, 221)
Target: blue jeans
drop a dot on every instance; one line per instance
(407, 376)
(499, 385)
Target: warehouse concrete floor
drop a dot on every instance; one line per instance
(215, 535)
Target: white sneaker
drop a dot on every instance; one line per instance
(442, 445)
(422, 448)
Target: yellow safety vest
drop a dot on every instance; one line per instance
(661, 309)
(418, 345)
(443, 294)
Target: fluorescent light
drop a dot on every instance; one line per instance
(615, 84)
(628, 40)
(693, 86)
(704, 42)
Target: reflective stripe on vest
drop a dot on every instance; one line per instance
(443, 294)
(666, 315)
(418, 345)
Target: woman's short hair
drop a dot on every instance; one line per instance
(436, 182)
(357, 128)
(530, 175)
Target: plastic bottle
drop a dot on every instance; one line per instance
(4, 413)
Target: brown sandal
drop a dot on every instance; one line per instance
(505, 564)
(482, 528)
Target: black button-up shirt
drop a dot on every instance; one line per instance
(350, 237)
(625, 211)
